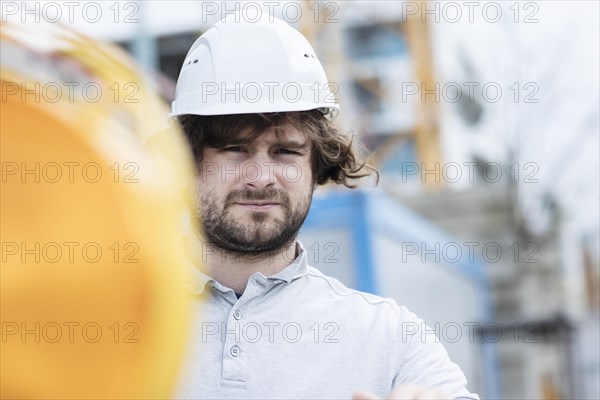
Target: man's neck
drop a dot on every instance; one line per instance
(233, 271)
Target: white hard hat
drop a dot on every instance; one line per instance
(245, 67)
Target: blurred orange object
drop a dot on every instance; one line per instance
(96, 199)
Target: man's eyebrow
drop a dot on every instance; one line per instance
(293, 144)
(240, 140)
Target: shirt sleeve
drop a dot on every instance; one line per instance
(423, 360)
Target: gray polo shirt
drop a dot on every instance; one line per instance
(300, 334)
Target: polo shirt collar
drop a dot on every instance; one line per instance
(294, 270)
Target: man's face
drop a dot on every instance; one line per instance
(254, 197)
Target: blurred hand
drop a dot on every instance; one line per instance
(405, 392)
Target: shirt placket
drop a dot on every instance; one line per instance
(235, 347)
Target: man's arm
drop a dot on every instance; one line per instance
(424, 367)
(405, 392)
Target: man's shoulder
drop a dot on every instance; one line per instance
(330, 288)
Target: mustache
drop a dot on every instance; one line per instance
(256, 195)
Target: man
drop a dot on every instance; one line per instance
(253, 101)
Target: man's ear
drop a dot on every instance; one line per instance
(315, 182)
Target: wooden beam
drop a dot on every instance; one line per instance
(427, 126)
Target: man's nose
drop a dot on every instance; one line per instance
(259, 172)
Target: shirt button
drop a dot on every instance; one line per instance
(235, 351)
(237, 314)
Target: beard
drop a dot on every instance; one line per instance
(264, 235)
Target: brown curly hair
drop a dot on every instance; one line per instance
(336, 156)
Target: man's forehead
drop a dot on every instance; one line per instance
(274, 134)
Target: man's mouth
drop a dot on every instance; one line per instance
(258, 205)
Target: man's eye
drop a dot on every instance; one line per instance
(234, 149)
(287, 151)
